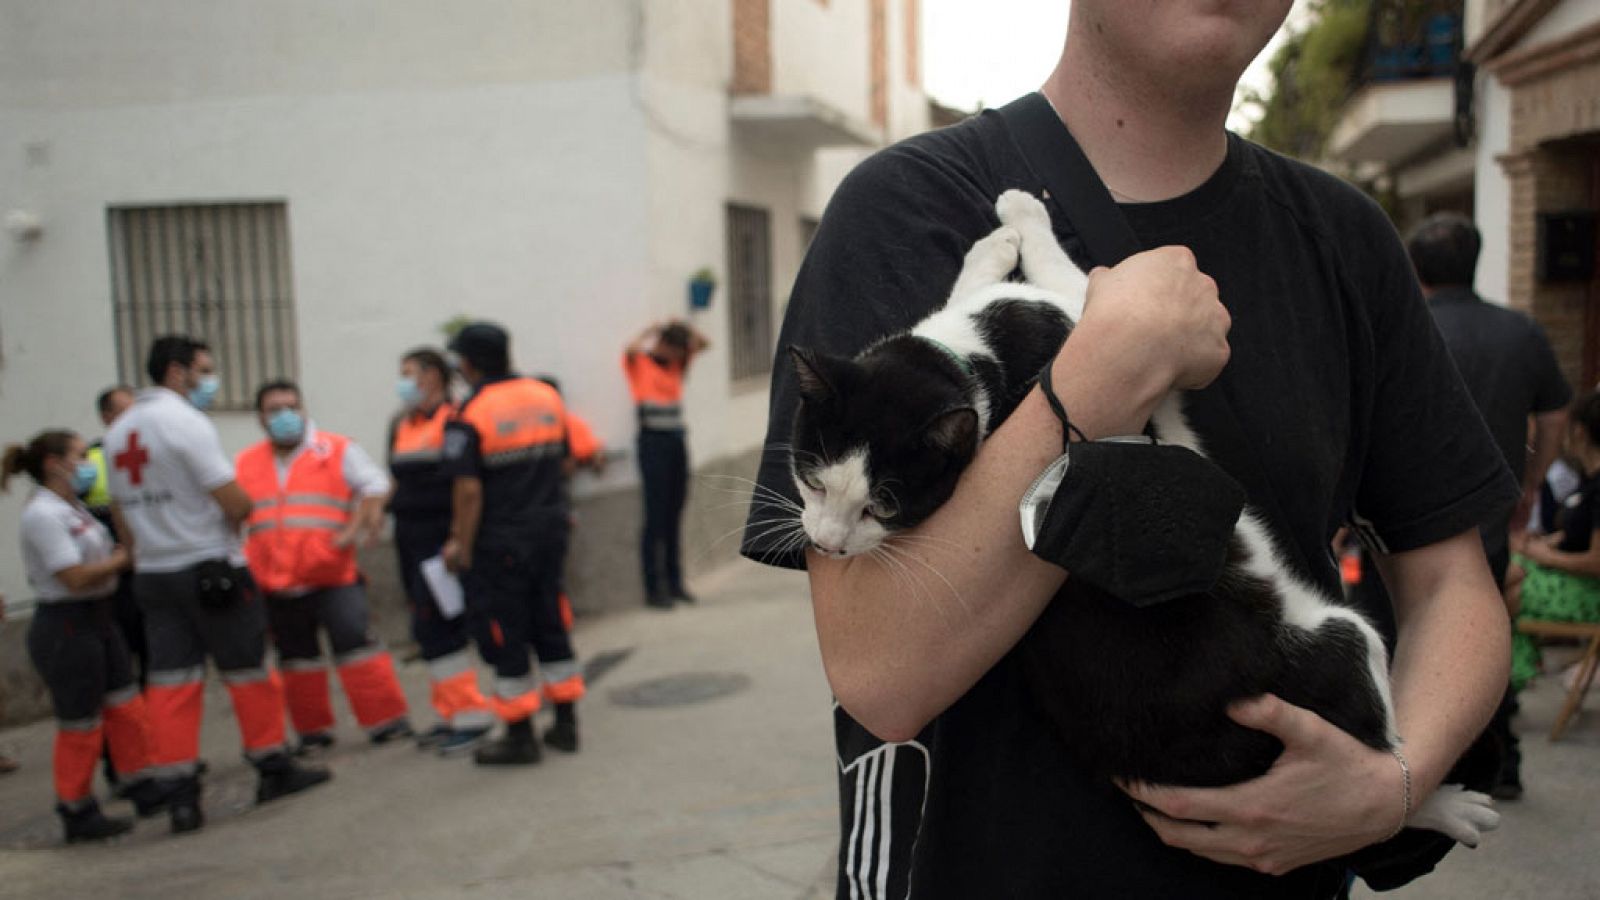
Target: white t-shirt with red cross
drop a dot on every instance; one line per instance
(164, 459)
(57, 535)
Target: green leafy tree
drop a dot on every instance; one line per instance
(1313, 74)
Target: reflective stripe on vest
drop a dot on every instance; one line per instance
(660, 417)
(517, 420)
(289, 536)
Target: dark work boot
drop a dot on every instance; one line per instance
(281, 776)
(149, 796)
(517, 747)
(183, 804)
(88, 823)
(563, 735)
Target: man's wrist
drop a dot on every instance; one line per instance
(1105, 395)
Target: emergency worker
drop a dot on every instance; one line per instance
(111, 403)
(504, 452)
(421, 507)
(176, 502)
(73, 565)
(316, 495)
(655, 364)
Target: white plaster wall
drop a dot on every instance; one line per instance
(823, 51)
(521, 204)
(98, 52)
(1492, 190)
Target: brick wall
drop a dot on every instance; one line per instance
(913, 42)
(878, 22)
(1547, 172)
(752, 47)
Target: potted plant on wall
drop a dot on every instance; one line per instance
(701, 285)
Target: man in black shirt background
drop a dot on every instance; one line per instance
(1511, 372)
(1324, 400)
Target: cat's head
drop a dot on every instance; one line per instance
(877, 446)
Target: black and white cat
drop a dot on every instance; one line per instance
(1138, 693)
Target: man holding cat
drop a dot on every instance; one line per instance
(1316, 377)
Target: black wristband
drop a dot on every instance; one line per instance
(1068, 429)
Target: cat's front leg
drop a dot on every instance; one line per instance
(990, 261)
(1044, 263)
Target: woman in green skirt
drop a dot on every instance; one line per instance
(1562, 582)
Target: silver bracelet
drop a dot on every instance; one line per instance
(1405, 769)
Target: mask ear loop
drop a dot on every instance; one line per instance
(1068, 429)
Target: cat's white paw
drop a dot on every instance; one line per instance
(1021, 209)
(1455, 811)
(996, 254)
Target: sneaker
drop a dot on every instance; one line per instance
(281, 776)
(517, 747)
(562, 736)
(682, 596)
(88, 823)
(314, 744)
(461, 740)
(658, 601)
(393, 731)
(433, 737)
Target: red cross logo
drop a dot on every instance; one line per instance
(133, 459)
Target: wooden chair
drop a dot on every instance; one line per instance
(1586, 631)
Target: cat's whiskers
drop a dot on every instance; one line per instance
(908, 553)
(904, 578)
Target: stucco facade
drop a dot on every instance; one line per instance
(561, 168)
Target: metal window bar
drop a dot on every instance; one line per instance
(750, 291)
(218, 272)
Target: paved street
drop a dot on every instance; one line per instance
(727, 796)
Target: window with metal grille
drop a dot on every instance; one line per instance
(217, 272)
(749, 291)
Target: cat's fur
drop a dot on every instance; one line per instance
(1138, 693)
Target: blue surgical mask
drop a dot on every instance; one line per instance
(204, 393)
(286, 427)
(410, 394)
(84, 476)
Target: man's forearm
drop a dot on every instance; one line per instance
(466, 509)
(1453, 657)
(903, 640)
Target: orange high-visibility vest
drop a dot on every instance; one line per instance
(657, 390)
(421, 439)
(517, 420)
(289, 537)
(581, 440)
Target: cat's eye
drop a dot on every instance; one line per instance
(812, 483)
(882, 510)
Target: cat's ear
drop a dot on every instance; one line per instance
(954, 431)
(815, 387)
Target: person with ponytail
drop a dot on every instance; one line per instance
(72, 565)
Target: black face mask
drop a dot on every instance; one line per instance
(1143, 522)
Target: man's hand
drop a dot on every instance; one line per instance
(1327, 795)
(456, 557)
(1165, 315)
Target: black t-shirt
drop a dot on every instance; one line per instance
(1579, 517)
(1329, 410)
(1509, 369)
